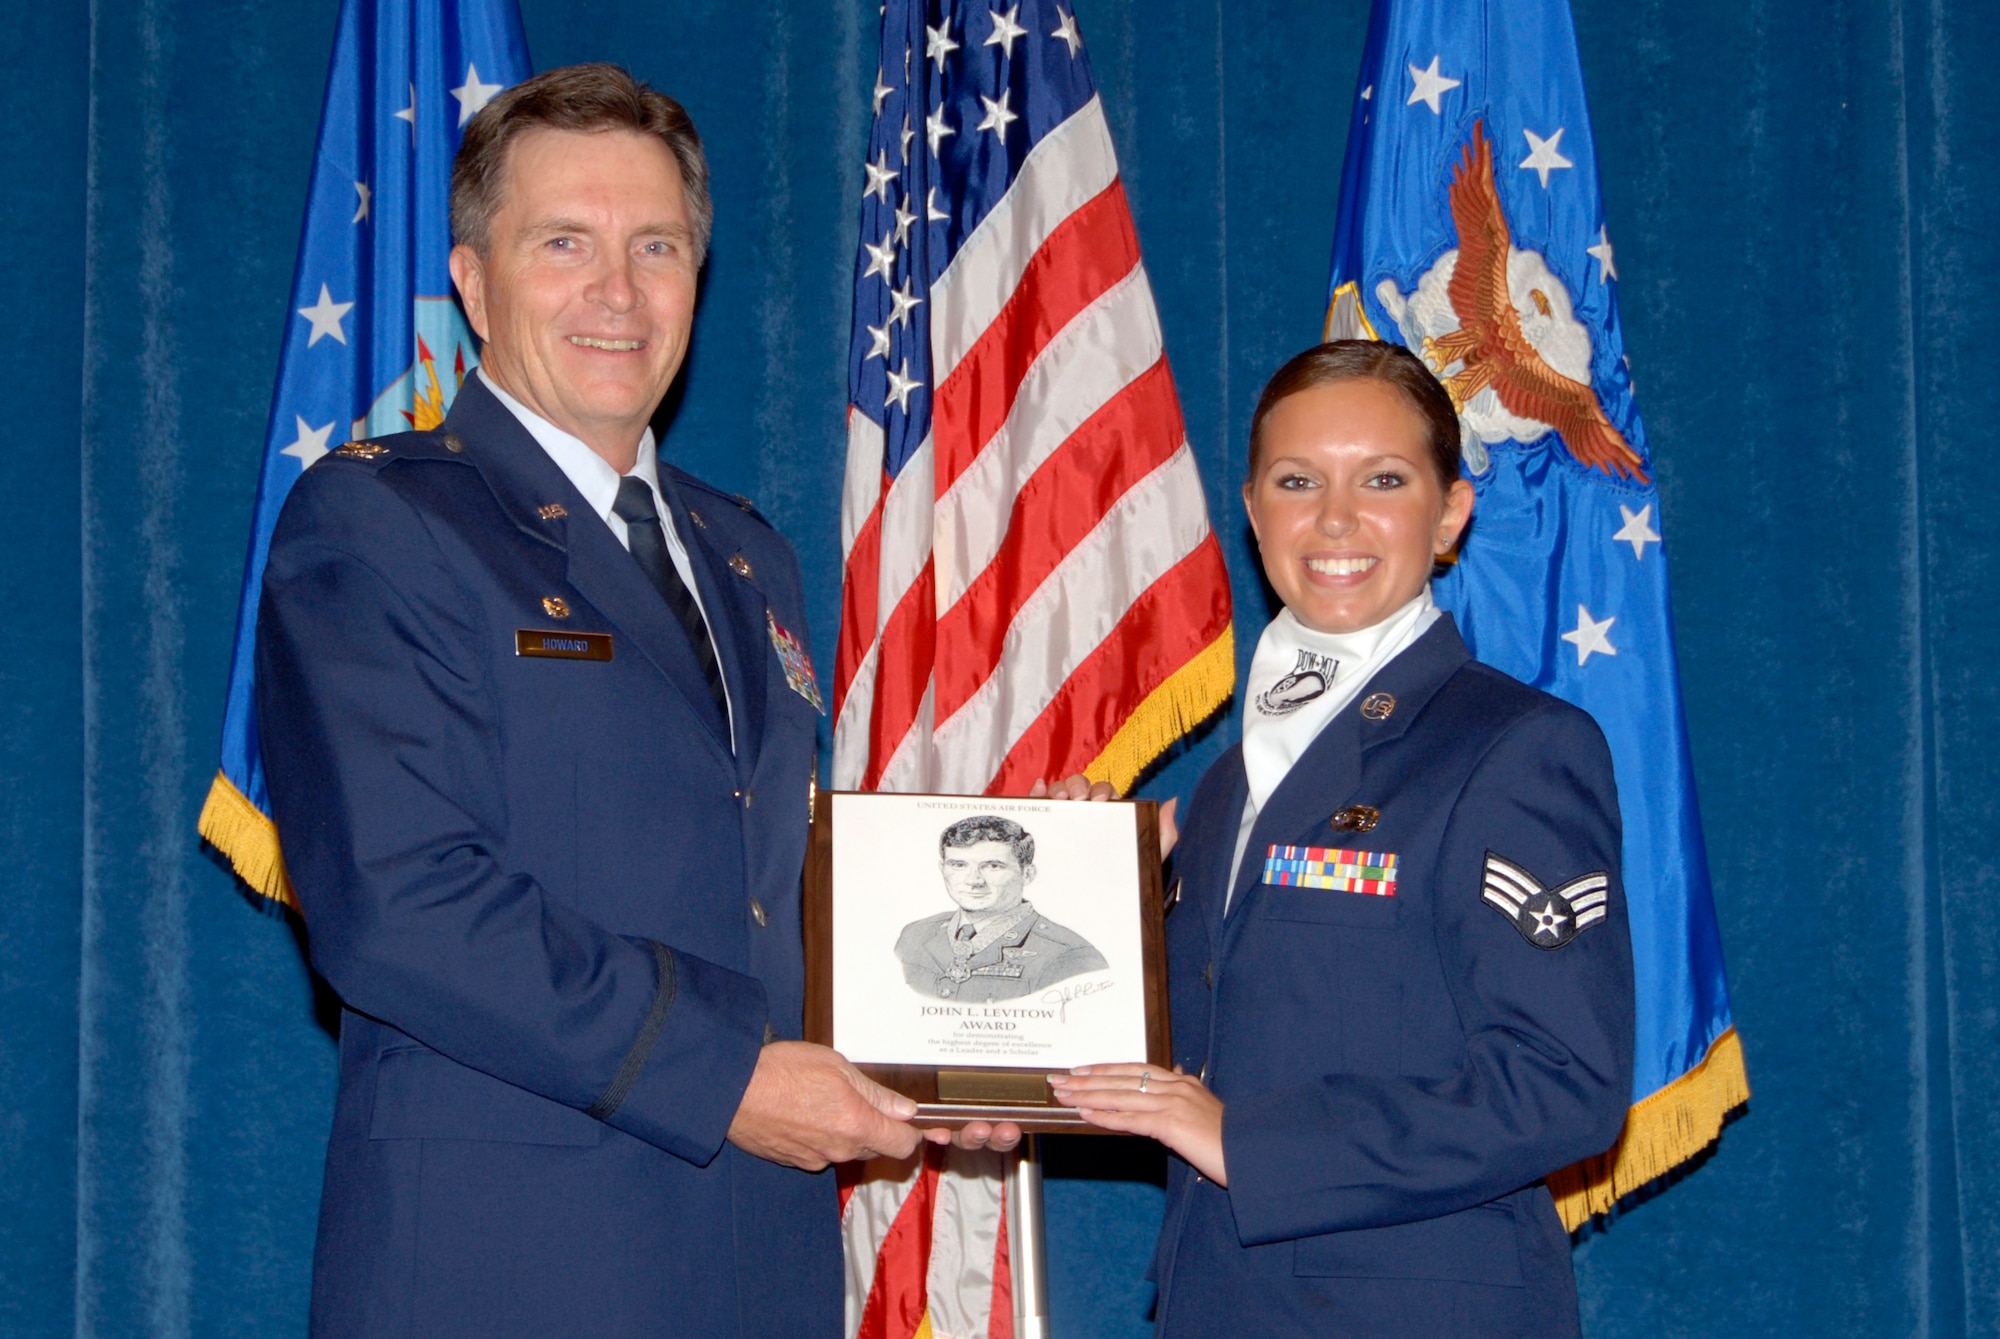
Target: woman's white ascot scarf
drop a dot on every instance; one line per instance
(1299, 680)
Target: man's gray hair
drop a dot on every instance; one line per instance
(583, 99)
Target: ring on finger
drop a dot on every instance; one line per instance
(1142, 1079)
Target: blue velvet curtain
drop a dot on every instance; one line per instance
(1803, 196)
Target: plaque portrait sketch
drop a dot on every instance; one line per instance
(961, 948)
(993, 944)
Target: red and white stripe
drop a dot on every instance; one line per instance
(1051, 517)
(927, 1245)
(1037, 569)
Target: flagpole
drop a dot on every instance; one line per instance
(1027, 1253)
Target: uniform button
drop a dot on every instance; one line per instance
(757, 912)
(1208, 975)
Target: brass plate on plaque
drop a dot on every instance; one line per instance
(960, 1085)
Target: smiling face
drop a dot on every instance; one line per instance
(586, 294)
(985, 877)
(1347, 507)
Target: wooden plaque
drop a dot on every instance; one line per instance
(960, 949)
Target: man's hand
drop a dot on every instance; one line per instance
(807, 1107)
(1000, 1136)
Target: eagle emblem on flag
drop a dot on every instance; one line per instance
(1498, 328)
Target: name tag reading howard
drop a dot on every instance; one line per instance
(562, 645)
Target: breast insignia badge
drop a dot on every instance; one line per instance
(1548, 918)
(798, 663)
(361, 450)
(1355, 818)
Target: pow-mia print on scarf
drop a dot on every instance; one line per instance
(1548, 918)
(1309, 678)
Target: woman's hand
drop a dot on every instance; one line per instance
(1173, 1108)
(1078, 787)
(1081, 787)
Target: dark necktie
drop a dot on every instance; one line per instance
(648, 543)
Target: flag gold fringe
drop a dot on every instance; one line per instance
(1661, 1132)
(241, 831)
(1187, 698)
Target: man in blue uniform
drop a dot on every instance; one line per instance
(539, 714)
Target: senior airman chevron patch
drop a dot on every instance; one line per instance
(1546, 917)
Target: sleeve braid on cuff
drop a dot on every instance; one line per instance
(642, 1045)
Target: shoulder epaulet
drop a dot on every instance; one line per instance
(737, 500)
(375, 452)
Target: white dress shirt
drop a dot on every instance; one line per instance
(1299, 680)
(592, 476)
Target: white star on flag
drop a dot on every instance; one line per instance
(936, 129)
(900, 386)
(904, 218)
(932, 214)
(361, 211)
(881, 259)
(878, 342)
(1430, 86)
(882, 92)
(409, 113)
(1067, 31)
(938, 43)
(907, 135)
(310, 445)
(1590, 635)
(472, 95)
(1006, 31)
(997, 115)
(325, 316)
(1543, 157)
(905, 301)
(880, 174)
(1638, 531)
(1607, 265)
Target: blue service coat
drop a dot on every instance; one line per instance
(561, 914)
(1400, 1072)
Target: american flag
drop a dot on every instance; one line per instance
(1031, 586)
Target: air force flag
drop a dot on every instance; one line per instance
(374, 343)
(1472, 229)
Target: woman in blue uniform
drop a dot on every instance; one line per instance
(1399, 962)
